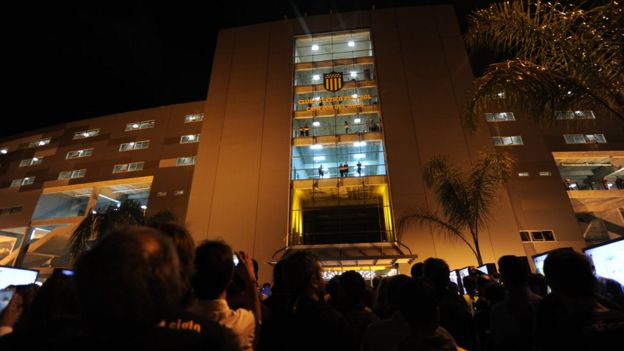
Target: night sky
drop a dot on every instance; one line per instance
(65, 63)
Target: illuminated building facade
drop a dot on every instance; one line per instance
(291, 101)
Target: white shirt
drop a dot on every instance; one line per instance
(240, 322)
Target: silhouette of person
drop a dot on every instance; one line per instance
(346, 127)
(321, 171)
(359, 168)
(346, 169)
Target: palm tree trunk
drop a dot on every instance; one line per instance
(477, 249)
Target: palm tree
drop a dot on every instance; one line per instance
(564, 56)
(96, 226)
(465, 199)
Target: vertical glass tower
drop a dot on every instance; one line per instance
(339, 189)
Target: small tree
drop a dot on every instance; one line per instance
(96, 226)
(465, 199)
(562, 56)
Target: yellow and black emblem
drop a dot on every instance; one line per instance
(333, 81)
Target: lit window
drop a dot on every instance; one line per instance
(178, 192)
(500, 117)
(39, 143)
(575, 115)
(507, 140)
(22, 181)
(185, 161)
(79, 173)
(140, 125)
(537, 235)
(128, 167)
(197, 117)
(79, 153)
(545, 174)
(31, 161)
(135, 145)
(523, 174)
(86, 134)
(161, 194)
(584, 138)
(191, 138)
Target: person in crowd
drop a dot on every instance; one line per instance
(417, 270)
(277, 313)
(353, 289)
(490, 293)
(571, 318)
(386, 334)
(454, 315)
(333, 292)
(214, 271)
(10, 315)
(470, 286)
(419, 307)
(537, 284)
(610, 290)
(511, 321)
(126, 286)
(302, 320)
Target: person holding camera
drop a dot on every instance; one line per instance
(214, 270)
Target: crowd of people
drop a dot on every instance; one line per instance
(150, 287)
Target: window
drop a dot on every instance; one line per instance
(38, 143)
(22, 181)
(140, 125)
(138, 145)
(523, 174)
(500, 117)
(584, 138)
(545, 174)
(197, 117)
(31, 161)
(10, 210)
(507, 140)
(86, 134)
(128, 167)
(185, 161)
(161, 194)
(79, 153)
(79, 173)
(191, 138)
(537, 235)
(178, 192)
(575, 115)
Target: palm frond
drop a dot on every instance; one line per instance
(449, 188)
(424, 217)
(78, 241)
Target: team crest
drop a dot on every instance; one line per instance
(333, 81)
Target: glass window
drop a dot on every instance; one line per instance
(79, 153)
(128, 167)
(191, 138)
(500, 117)
(38, 143)
(161, 194)
(31, 161)
(197, 117)
(83, 134)
(135, 145)
(545, 174)
(120, 168)
(140, 125)
(185, 161)
(584, 138)
(22, 181)
(575, 115)
(79, 173)
(524, 236)
(178, 192)
(343, 45)
(523, 174)
(507, 140)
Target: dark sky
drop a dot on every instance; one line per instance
(65, 62)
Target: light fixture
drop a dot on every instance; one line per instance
(359, 156)
(316, 123)
(35, 159)
(317, 98)
(94, 212)
(143, 207)
(359, 143)
(42, 142)
(353, 74)
(357, 120)
(191, 137)
(573, 185)
(354, 96)
(315, 47)
(132, 143)
(319, 158)
(351, 43)
(135, 125)
(4, 151)
(316, 77)
(316, 147)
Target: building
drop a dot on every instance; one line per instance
(289, 103)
